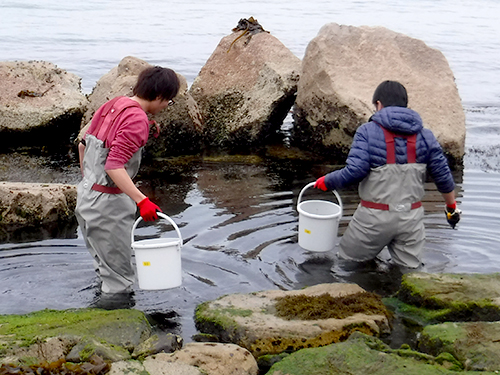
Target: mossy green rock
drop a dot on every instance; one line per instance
(121, 329)
(475, 344)
(433, 298)
(360, 354)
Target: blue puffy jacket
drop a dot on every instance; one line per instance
(368, 149)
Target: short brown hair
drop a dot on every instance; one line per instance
(157, 82)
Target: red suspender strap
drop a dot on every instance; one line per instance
(390, 146)
(104, 113)
(411, 146)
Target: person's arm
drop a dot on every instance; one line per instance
(123, 181)
(449, 198)
(81, 154)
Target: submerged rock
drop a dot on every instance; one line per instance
(246, 89)
(431, 298)
(341, 69)
(251, 321)
(41, 105)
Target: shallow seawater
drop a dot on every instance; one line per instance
(239, 224)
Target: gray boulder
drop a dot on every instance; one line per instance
(181, 125)
(342, 67)
(41, 105)
(245, 90)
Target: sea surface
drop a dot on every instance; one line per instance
(239, 219)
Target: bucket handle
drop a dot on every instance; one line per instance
(163, 216)
(311, 184)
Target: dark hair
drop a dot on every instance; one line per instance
(157, 82)
(391, 93)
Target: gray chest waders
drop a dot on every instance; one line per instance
(104, 213)
(390, 213)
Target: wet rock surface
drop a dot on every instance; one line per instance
(341, 69)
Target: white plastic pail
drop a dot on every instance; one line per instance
(158, 260)
(318, 222)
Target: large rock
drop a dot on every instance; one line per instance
(181, 125)
(33, 204)
(341, 69)
(251, 320)
(40, 105)
(430, 298)
(245, 90)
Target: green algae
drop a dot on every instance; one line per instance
(417, 315)
(325, 306)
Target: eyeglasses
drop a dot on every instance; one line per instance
(171, 103)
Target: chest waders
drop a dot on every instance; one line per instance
(104, 213)
(390, 212)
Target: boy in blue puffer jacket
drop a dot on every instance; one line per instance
(389, 158)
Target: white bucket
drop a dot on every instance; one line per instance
(158, 260)
(318, 222)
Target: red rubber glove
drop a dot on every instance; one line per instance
(320, 184)
(148, 210)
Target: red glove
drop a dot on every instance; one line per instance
(320, 184)
(148, 210)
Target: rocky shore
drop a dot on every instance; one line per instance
(322, 329)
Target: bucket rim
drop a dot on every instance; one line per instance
(155, 243)
(317, 216)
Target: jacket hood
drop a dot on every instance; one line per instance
(398, 120)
